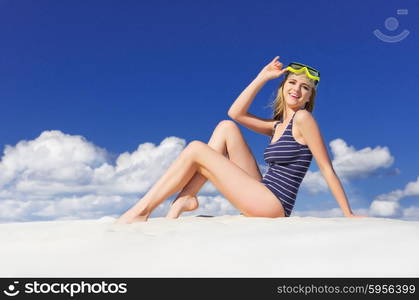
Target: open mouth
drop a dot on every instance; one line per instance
(294, 96)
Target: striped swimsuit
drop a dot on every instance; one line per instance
(288, 163)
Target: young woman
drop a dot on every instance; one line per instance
(228, 162)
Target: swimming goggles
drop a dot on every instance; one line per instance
(310, 72)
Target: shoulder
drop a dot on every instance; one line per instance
(305, 121)
(303, 116)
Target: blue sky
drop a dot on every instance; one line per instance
(125, 73)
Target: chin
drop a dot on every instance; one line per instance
(293, 103)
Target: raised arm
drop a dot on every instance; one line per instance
(238, 110)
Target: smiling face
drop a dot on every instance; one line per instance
(297, 90)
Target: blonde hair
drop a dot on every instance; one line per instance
(278, 105)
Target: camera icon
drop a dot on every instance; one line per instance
(11, 290)
(392, 24)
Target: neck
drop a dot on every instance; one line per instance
(289, 112)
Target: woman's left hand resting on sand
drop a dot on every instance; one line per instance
(351, 215)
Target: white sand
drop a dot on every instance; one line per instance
(227, 246)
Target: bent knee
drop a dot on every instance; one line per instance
(195, 145)
(227, 126)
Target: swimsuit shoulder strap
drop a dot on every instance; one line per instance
(279, 122)
(296, 113)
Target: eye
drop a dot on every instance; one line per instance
(306, 88)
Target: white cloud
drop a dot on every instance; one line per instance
(314, 182)
(59, 175)
(52, 156)
(412, 188)
(348, 164)
(411, 213)
(352, 163)
(387, 205)
(385, 208)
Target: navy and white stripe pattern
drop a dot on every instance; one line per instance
(288, 163)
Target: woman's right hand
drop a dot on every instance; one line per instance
(272, 70)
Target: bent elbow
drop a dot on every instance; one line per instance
(231, 115)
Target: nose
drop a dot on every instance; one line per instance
(295, 91)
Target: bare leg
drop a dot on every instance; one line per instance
(226, 139)
(247, 194)
(175, 178)
(186, 200)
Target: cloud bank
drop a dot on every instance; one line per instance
(349, 164)
(388, 205)
(58, 176)
(61, 176)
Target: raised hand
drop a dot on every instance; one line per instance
(272, 70)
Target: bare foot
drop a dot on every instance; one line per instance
(185, 203)
(129, 217)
